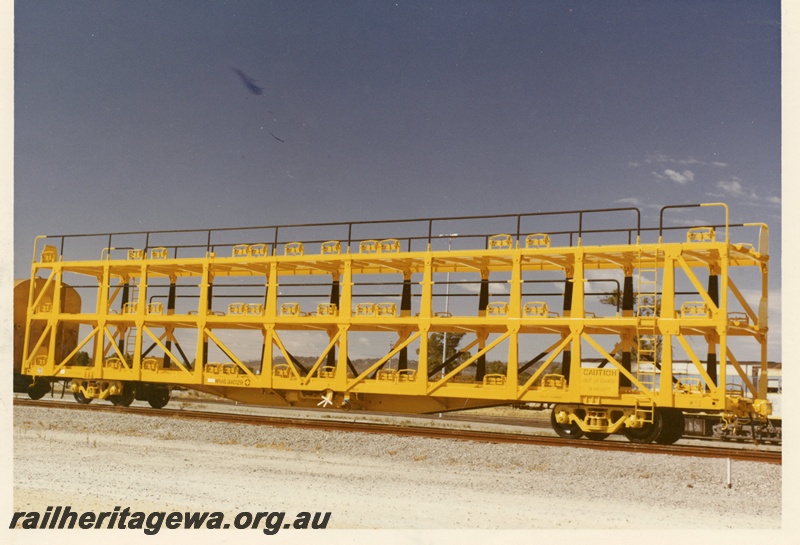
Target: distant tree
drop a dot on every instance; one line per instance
(497, 367)
(82, 358)
(435, 350)
(614, 299)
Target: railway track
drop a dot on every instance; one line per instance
(403, 429)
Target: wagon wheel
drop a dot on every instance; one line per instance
(648, 432)
(158, 398)
(596, 435)
(674, 423)
(125, 398)
(38, 389)
(82, 399)
(567, 431)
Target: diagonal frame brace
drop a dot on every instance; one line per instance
(468, 362)
(43, 291)
(439, 367)
(47, 329)
(696, 283)
(696, 361)
(172, 357)
(739, 297)
(650, 393)
(556, 348)
(227, 351)
(753, 390)
(277, 341)
(75, 350)
(115, 347)
(397, 348)
(322, 357)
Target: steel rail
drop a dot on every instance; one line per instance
(774, 457)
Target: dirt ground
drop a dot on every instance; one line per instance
(375, 482)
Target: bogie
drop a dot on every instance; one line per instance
(665, 425)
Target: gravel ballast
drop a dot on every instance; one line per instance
(96, 461)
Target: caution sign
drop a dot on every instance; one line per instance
(600, 382)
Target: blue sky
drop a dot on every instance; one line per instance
(131, 115)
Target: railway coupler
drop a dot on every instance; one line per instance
(755, 429)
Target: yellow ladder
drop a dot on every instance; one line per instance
(644, 410)
(130, 332)
(646, 311)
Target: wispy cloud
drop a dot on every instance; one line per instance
(674, 168)
(495, 288)
(682, 178)
(603, 281)
(638, 202)
(688, 222)
(734, 188)
(661, 158)
(633, 201)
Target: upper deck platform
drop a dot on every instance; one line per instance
(546, 241)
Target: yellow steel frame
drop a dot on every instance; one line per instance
(584, 384)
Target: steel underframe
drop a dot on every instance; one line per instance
(289, 384)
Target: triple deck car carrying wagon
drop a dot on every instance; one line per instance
(159, 310)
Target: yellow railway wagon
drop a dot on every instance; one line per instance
(181, 308)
